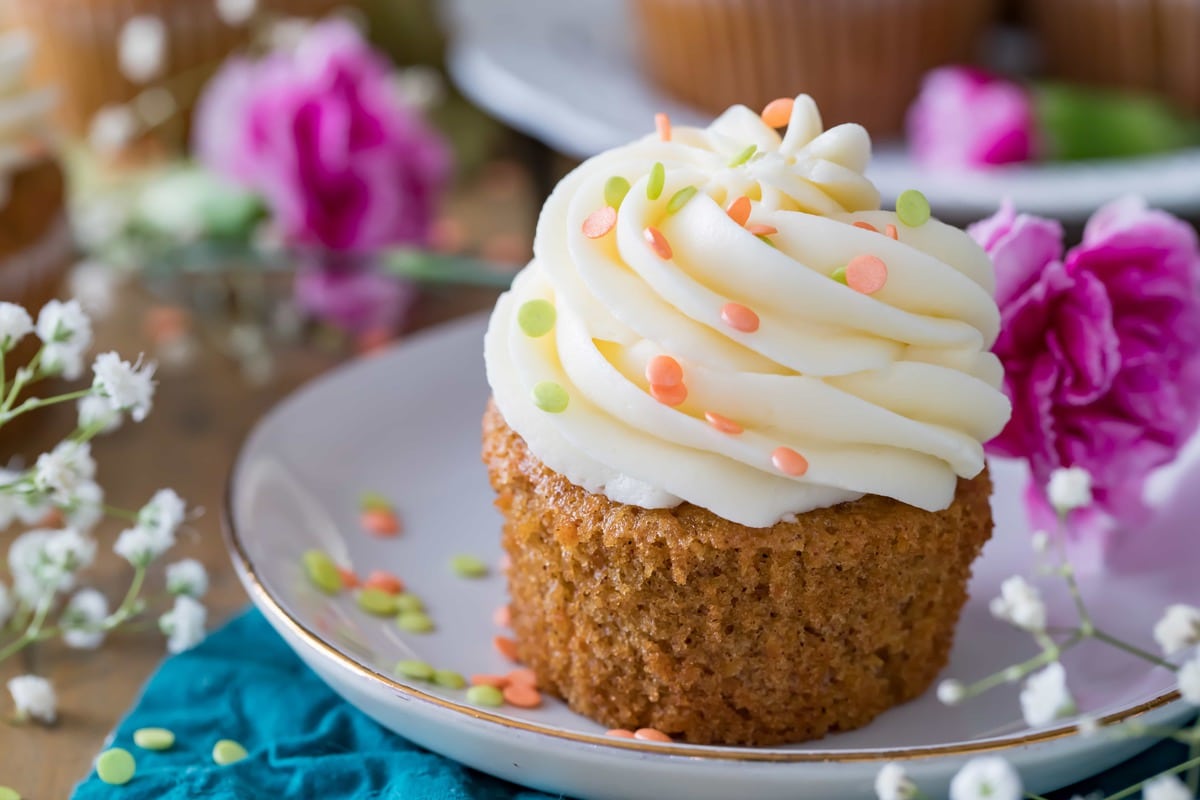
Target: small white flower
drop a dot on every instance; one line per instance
(163, 515)
(142, 48)
(236, 12)
(1178, 629)
(138, 546)
(1088, 726)
(1045, 696)
(1166, 787)
(43, 562)
(1019, 603)
(7, 604)
(1189, 680)
(183, 625)
(66, 332)
(81, 620)
(96, 411)
(34, 697)
(94, 284)
(86, 508)
(187, 577)
(15, 325)
(71, 549)
(951, 692)
(61, 471)
(129, 387)
(111, 129)
(1040, 541)
(892, 783)
(1069, 488)
(988, 778)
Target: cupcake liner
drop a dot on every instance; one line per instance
(861, 60)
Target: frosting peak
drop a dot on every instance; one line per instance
(815, 357)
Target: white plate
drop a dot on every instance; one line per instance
(566, 73)
(406, 423)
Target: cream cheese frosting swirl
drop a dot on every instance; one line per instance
(889, 393)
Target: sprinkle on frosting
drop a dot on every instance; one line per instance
(651, 735)
(506, 647)
(839, 275)
(664, 371)
(536, 317)
(912, 208)
(778, 112)
(656, 181)
(789, 462)
(866, 226)
(662, 124)
(744, 156)
(758, 229)
(740, 318)
(615, 189)
(723, 424)
(866, 274)
(681, 198)
(669, 395)
(891, 231)
(550, 397)
(600, 222)
(658, 243)
(739, 210)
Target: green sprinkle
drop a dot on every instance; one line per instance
(322, 572)
(912, 208)
(680, 198)
(449, 678)
(658, 177)
(762, 237)
(377, 602)
(744, 156)
(417, 670)
(465, 566)
(116, 767)
(7, 793)
(227, 751)
(407, 601)
(154, 738)
(615, 189)
(550, 397)
(839, 275)
(536, 317)
(485, 696)
(374, 501)
(414, 622)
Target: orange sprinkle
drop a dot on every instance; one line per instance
(778, 112)
(349, 579)
(651, 735)
(600, 222)
(380, 521)
(658, 243)
(498, 681)
(758, 229)
(619, 733)
(866, 274)
(505, 647)
(523, 676)
(662, 124)
(522, 696)
(502, 616)
(723, 424)
(740, 318)
(866, 226)
(789, 462)
(891, 231)
(664, 371)
(739, 210)
(669, 395)
(384, 581)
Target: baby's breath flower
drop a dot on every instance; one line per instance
(187, 577)
(1040, 541)
(951, 692)
(97, 412)
(111, 129)
(34, 698)
(1178, 629)
(142, 48)
(15, 325)
(139, 546)
(128, 387)
(236, 12)
(81, 620)
(87, 507)
(163, 515)
(1166, 787)
(183, 625)
(1045, 697)
(66, 332)
(893, 783)
(93, 284)
(1019, 603)
(1069, 488)
(1087, 726)
(64, 469)
(988, 778)
(1189, 680)
(43, 562)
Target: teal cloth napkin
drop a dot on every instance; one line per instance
(243, 683)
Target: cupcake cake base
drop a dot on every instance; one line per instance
(716, 633)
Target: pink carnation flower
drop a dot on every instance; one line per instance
(964, 117)
(1099, 349)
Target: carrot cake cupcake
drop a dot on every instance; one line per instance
(736, 433)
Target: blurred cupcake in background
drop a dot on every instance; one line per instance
(861, 60)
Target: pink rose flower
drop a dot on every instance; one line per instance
(323, 135)
(1099, 349)
(964, 117)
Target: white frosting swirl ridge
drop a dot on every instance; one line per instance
(889, 393)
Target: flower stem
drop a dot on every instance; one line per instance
(32, 633)
(34, 403)
(1132, 649)
(1068, 574)
(120, 513)
(1193, 775)
(23, 378)
(1047, 656)
(1137, 787)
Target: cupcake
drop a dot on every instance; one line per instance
(861, 60)
(736, 434)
